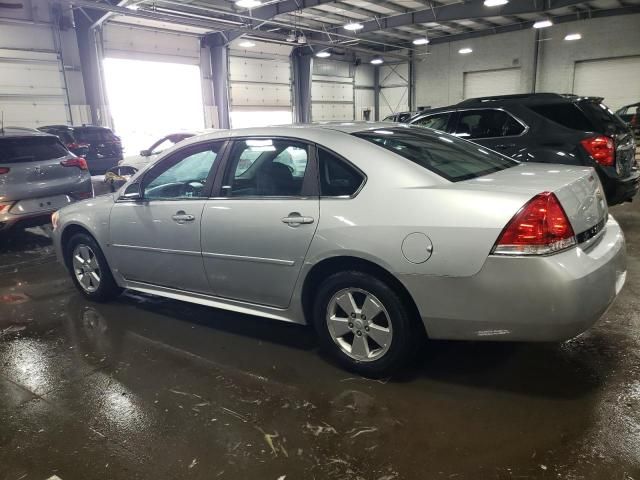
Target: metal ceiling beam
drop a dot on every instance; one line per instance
(464, 11)
(529, 24)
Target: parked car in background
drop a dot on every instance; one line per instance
(548, 128)
(99, 146)
(373, 233)
(631, 115)
(38, 175)
(400, 117)
(118, 175)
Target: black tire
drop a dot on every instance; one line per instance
(107, 289)
(404, 326)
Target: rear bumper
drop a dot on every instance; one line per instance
(619, 190)
(525, 299)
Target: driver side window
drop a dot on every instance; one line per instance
(183, 175)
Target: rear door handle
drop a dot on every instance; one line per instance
(294, 219)
(182, 217)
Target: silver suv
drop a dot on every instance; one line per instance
(38, 175)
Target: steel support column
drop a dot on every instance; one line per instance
(376, 94)
(302, 62)
(220, 81)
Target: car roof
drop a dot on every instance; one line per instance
(20, 132)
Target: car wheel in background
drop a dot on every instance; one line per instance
(363, 323)
(89, 269)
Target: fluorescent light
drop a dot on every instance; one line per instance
(133, 6)
(421, 41)
(573, 36)
(543, 24)
(302, 38)
(248, 3)
(247, 44)
(291, 37)
(495, 3)
(353, 26)
(323, 54)
(377, 60)
(465, 50)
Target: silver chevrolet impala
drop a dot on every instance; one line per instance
(374, 233)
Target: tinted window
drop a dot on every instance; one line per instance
(266, 167)
(90, 135)
(487, 124)
(403, 117)
(31, 149)
(603, 118)
(182, 175)
(437, 122)
(566, 114)
(337, 178)
(450, 158)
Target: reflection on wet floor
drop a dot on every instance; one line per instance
(152, 388)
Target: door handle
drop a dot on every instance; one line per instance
(294, 219)
(181, 217)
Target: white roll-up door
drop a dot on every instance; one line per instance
(505, 81)
(260, 84)
(615, 79)
(32, 85)
(332, 91)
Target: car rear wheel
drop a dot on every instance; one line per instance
(364, 323)
(89, 269)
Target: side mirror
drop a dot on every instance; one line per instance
(145, 153)
(132, 192)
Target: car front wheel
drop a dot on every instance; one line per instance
(363, 323)
(89, 269)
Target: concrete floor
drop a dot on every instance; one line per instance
(151, 388)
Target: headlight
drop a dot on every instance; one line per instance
(54, 219)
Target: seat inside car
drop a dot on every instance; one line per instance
(275, 178)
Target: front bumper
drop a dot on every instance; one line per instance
(548, 298)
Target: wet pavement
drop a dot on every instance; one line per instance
(151, 388)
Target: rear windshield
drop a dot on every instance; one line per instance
(566, 114)
(449, 157)
(30, 149)
(91, 135)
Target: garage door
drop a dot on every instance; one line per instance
(260, 84)
(32, 86)
(505, 81)
(615, 79)
(332, 91)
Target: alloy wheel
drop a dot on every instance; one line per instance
(86, 268)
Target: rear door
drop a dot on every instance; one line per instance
(32, 169)
(103, 148)
(256, 233)
(494, 128)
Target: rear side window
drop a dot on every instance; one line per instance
(604, 119)
(337, 178)
(451, 158)
(566, 114)
(487, 123)
(31, 149)
(91, 135)
(436, 122)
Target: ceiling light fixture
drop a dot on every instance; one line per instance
(573, 36)
(248, 3)
(543, 24)
(246, 44)
(353, 26)
(465, 50)
(323, 54)
(302, 38)
(377, 60)
(421, 41)
(291, 37)
(495, 3)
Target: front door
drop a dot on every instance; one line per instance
(256, 235)
(156, 239)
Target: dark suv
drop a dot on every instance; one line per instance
(99, 146)
(549, 128)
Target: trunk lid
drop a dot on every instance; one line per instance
(34, 168)
(577, 188)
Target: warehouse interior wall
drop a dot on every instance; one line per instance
(440, 74)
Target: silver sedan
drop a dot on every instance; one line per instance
(373, 233)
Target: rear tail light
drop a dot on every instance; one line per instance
(73, 145)
(601, 148)
(540, 227)
(5, 206)
(4, 170)
(79, 162)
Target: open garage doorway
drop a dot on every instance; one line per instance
(148, 100)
